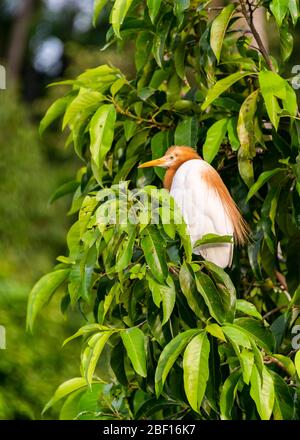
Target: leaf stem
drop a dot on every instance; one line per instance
(247, 11)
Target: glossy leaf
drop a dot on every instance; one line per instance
(102, 133)
(186, 132)
(228, 394)
(65, 389)
(213, 238)
(263, 178)
(119, 12)
(279, 9)
(214, 298)
(189, 289)
(262, 392)
(54, 111)
(196, 369)
(153, 6)
(134, 341)
(272, 87)
(169, 356)
(247, 308)
(154, 253)
(42, 292)
(98, 6)
(218, 29)
(214, 138)
(221, 86)
(246, 134)
(92, 353)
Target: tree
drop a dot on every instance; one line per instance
(173, 336)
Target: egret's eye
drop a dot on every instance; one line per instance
(171, 157)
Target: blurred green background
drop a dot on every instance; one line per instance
(41, 41)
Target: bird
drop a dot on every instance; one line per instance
(205, 202)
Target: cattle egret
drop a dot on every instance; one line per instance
(205, 202)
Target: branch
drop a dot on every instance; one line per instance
(272, 360)
(247, 11)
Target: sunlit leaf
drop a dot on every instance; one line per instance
(134, 342)
(196, 369)
(218, 29)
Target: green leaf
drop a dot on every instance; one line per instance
(153, 6)
(216, 331)
(186, 132)
(179, 7)
(134, 341)
(129, 129)
(179, 60)
(290, 102)
(248, 308)
(102, 134)
(218, 29)
(165, 294)
(92, 353)
(221, 86)
(189, 289)
(232, 134)
(154, 253)
(214, 138)
(119, 12)
(124, 257)
(236, 335)
(214, 238)
(42, 292)
(159, 145)
(284, 399)
(286, 43)
(224, 283)
(263, 178)
(64, 389)
(272, 87)
(54, 111)
(258, 331)
(286, 362)
(214, 298)
(86, 101)
(196, 369)
(294, 10)
(246, 135)
(85, 330)
(168, 357)
(247, 359)
(64, 189)
(262, 392)
(98, 6)
(228, 394)
(297, 362)
(279, 9)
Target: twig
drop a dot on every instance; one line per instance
(281, 278)
(247, 11)
(272, 360)
(271, 312)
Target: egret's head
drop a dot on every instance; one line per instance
(173, 158)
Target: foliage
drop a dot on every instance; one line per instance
(175, 336)
(31, 231)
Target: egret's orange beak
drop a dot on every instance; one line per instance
(161, 162)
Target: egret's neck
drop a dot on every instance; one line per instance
(168, 179)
